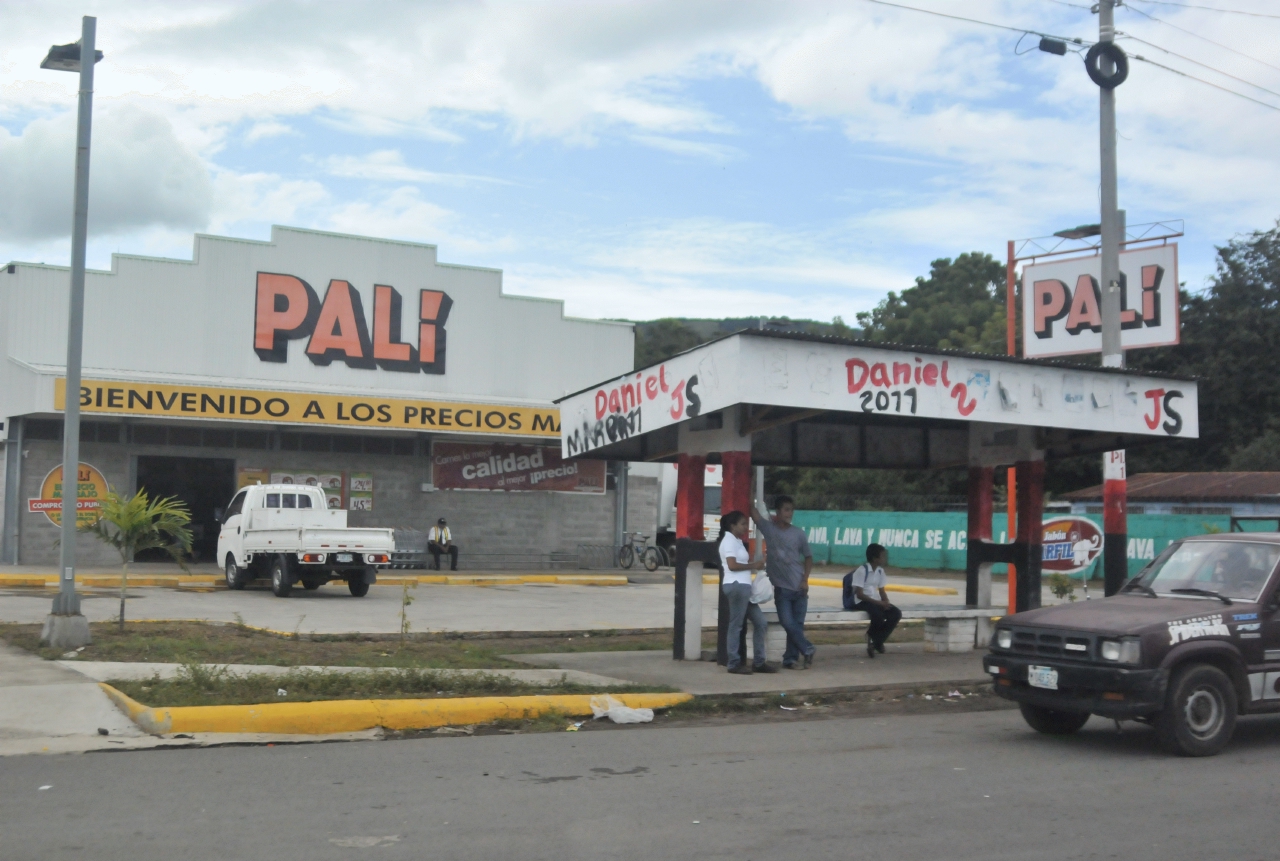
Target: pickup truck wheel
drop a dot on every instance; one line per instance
(1200, 712)
(280, 583)
(1052, 722)
(235, 575)
(358, 587)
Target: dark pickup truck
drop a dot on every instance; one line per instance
(1187, 645)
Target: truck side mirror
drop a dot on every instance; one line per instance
(219, 515)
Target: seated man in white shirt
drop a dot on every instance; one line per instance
(864, 590)
(439, 541)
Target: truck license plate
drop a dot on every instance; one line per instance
(1042, 677)
(347, 557)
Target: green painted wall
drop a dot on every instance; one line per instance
(917, 539)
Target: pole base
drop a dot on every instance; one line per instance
(65, 631)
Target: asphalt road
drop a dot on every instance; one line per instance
(953, 786)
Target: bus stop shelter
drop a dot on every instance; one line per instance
(758, 398)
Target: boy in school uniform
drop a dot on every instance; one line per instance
(864, 590)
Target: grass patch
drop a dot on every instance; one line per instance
(197, 642)
(201, 643)
(198, 685)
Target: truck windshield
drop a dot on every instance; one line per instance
(1232, 568)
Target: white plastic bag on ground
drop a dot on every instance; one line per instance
(607, 706)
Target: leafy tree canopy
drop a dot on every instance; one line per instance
(959, 306)
(1230, 334)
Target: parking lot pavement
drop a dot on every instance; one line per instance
(332, 610)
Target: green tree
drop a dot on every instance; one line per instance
(131, 524)
(959, 306)
(1261, 455)
(1230, 334)
(662, 339)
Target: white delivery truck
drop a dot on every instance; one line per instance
(286, 532)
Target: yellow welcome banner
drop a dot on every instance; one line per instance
(252, 405)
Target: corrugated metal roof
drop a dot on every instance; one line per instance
(1191, 486)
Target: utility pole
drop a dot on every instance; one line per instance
(1115, 519)
(66, 627)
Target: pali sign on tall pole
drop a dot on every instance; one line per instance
(66, 627)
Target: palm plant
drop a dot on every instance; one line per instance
(134, 523)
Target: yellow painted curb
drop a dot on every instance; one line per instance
(331, 716)
(712, 579)
(892, 587)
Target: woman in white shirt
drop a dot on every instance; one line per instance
(735, 561)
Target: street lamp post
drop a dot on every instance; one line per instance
(1111, 74)
(66, 627)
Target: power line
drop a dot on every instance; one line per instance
(1073, 5)
(1203, 81)
(980, 23)
(1198, 36)
(1198, 63)
(1211, 9)
(1077, 41)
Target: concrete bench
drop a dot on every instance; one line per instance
(946, 628)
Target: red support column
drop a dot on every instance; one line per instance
(736, 493)
(1030, 532)
(1115, 522)
(981, 480)
(691, 475)
(980, 486)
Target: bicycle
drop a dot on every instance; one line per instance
(636, 544)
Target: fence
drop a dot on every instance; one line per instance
(920, 539)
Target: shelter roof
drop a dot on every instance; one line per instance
(811, 400)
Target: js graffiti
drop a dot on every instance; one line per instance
(1158, 398)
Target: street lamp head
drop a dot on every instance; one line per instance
(66, 58)
(1053, 46)
(1082, 232)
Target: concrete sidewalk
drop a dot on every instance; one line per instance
(44, 706)
(845, 668)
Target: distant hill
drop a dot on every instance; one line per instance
(660, 339)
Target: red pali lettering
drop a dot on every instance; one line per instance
(959, 391)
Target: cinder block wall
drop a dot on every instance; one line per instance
(493, 529)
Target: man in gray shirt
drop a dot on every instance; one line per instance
(788, 565)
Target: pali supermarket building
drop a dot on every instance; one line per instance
(409, 389)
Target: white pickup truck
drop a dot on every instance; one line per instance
(286, 532)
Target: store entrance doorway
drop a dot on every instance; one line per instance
(203, 483)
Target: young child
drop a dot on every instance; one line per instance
(864, 590)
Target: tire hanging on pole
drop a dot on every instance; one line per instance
(1116, 55)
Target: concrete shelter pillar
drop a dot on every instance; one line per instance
(977, 589)
(1030, 543)
(735, 495)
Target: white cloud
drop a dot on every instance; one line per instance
(140, 175)
(388, 166)
(267, 129)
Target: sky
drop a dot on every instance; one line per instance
(637, 159)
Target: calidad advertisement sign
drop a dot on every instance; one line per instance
(1062, 303)
(91, 490)
(1071, 544)
(478, 466)
(250, 405)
